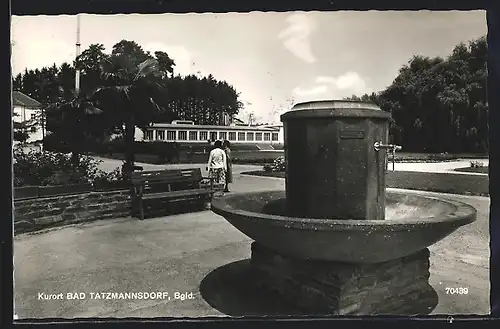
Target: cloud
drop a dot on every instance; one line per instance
(350, 81)
(334, 87)
(323, 79)
(310, 91)
(296, 36)
(184, 59)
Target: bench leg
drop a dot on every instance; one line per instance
(203, 203)
(141, 209)
(208, 201)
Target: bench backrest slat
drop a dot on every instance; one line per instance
(177, 176)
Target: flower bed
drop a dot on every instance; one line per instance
(278, 165)
(36, 168)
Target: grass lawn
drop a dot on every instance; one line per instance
(277, 174)
(482, 170)
(433, 182)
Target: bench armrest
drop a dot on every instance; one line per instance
(209, 179)
(139, 190)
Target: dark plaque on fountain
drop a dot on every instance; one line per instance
(335, 242)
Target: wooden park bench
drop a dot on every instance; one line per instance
(157, 191)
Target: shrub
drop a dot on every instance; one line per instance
(476, 164)
(53, 143)
(278, 165)
(266, 161)
(164, 151)
(268, 168)
(36, 168)
(441, 157)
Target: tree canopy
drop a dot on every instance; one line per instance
(439, 104)
(119, 91)
(203, 100)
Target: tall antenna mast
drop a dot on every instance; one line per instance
(77, 73)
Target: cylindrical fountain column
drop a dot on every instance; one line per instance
(335, 155)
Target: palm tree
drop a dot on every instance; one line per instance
(129, 96)
(72, 120)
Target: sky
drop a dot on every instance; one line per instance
(272, 59)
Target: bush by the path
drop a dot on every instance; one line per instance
(35, 168)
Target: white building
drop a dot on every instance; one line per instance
(188, 132)
(26, 109)
(279, 128)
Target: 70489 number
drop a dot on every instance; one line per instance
(457, 291)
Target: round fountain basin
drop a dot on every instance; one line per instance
(412, 223)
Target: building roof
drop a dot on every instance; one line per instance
(214, 127)
(235, 119)
(20, 99)
(274, 125)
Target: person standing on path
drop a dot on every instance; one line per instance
(217, 166)
(229, 172)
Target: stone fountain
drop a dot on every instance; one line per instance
(336, 242)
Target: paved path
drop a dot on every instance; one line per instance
(439, 167)
(203, 254)
(111, 164)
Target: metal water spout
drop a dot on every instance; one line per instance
(391, 148)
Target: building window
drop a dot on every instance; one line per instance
(241, 136)
(213, 136)
(203, 135)
(250, 137)
(171, 135)
(193, 135)
(182, 135)
(232, 136)
(223, 135)
(274, 137)
(258, 136)
(160, 135)
(267, 137)
(148, 135)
